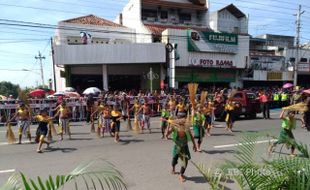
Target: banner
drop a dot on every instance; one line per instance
(212, 42)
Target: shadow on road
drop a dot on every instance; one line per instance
(81, 139)
(80, 133)
(221, 134)
(197, 179)
(218, 151)
(63, 150)
(128, 141)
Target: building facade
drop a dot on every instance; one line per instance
(268, 65)
(91, 51)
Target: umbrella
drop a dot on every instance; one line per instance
(37, 92)
(288, 85)
(92, 90)
(3, 97)
(70, 89)
(48, 91)
(60, 93)
(72, 94)
(306, 91)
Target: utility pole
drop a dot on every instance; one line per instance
(297, 44)
(40, 57)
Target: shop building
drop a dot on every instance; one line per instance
(202, 54)
(268, 63)
(91, 51)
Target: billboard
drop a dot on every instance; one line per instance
(212, 42)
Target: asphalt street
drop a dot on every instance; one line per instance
(144, 159)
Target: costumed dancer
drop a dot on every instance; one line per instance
(99, 111)
(181, 110)
(42, 130)
(208, 111)
(116, 117)
(24, 120)
(106, 122)
(135, 108)
(286, 134)
(64, 119)
(146, 113)
(165, 114)
(229, 119)
(181, 135)
(198, 126)
(172, 106)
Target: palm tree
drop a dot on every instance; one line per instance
(278, 173)
(92, 175)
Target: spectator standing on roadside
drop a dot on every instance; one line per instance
(264, 102)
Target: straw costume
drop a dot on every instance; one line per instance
(23, 115)
(181, 135)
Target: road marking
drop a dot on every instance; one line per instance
(6, 143)
(7, 171)
(239, 144)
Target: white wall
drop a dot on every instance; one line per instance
(112, 33)
(226, 22)
(132, 19)
(60, 82)
(110, 54)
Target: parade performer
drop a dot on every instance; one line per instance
(64, 118)
(172, 106)
(146, 113)
(208, 111)
(106, 123)
(286, 134)
(229, 119)
(181, 134)
(99, 111)
(198, 126)
(135, 108)
(116, 117)
(42, 130)
(181, 110)
(165, 114)
(23, 115)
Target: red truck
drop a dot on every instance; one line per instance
(248, 105)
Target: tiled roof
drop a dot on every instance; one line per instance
(158, 29)
(170, 4)
(92, 20)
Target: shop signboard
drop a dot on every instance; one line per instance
(276, 76)
(211, 62)
(212, 42)
(213, 75)
(304, 67)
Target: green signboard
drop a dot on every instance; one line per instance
(212, 42)
(206, 76)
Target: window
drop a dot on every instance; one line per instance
(149, 15)
(292, 59)
(238, 95)
(303, 60)
(164, 15)
(185, 17)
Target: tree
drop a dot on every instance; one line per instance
(7, 88)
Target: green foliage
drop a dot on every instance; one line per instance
(7, 88)
(282, 173)
(93, 175)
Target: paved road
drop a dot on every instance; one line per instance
(143, 159)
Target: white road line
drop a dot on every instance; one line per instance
(239, 144)
(5, 143)
(7, 171)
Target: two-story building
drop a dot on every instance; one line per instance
(91, 51)
(268, 65)
(205, 55)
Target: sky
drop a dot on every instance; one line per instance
(20, 45)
